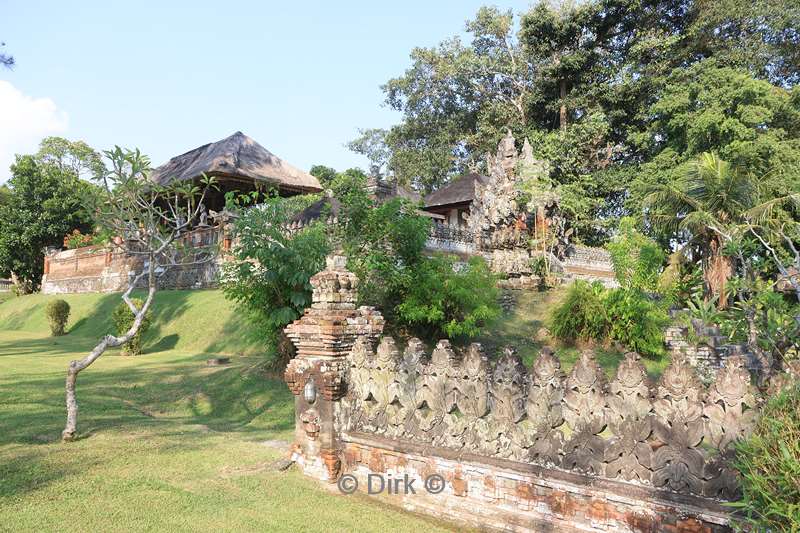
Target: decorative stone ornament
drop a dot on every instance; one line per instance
(325, 334)
(676, 436)
(310, 391)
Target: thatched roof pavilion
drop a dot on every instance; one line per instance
(239, 163)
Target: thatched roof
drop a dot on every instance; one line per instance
(238, 157)
(460, 190)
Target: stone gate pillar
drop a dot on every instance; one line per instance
(317, 376)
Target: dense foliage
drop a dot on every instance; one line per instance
(636, 321)
(638, 260)
(769, 464)
(44, 203)
(617, 95)
(270, 272)
(384, 242)
(625, 315)
(445, 300)
(581, 314)
(123, 318)
(57, 312)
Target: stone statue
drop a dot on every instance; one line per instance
(203, 216)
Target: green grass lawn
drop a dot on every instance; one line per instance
(167, 443)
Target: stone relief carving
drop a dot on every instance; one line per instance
(676, 435)
(628, 454)
(678, 424)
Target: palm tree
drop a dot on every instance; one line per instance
(703, 208)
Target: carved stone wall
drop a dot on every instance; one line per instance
(674, 435)
(518, 449)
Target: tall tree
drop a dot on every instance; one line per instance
(324, 174)
(445, 95)
(702, 209)
(709, 108)
(761, 37)
(44, 204)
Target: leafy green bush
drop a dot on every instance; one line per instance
(270, 271)
(769, 464)
(385, 247)
(384, 242)
(123, 318)
(628, 316)
(638, 260)
(441, 300)
(57, 312)
(705, 309)
(775, 327)
(581, 314)
(636, 321)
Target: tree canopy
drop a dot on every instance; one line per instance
(617, 95)
(43, 202)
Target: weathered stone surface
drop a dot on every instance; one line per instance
(536, 447)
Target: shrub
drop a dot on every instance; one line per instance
(769, 464)
(57, 312)
(636, 321)
(270, 272)
(123, 319)
(581, 314)
(441, 300)
(384, 242)
(638, 260)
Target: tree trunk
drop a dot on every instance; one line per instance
(562, 112)
(718, 271)
(109, 341)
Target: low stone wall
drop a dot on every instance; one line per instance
(506, 495)
(707, 349)
(515, 449)
(88, 269)
(107, 269)
(591, 264)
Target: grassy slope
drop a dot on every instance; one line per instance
(167, 442)
(200, 321)
(519, 329)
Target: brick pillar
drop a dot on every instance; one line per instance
(317, 376)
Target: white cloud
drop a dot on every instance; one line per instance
(24, 122)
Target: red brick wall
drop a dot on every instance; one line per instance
(496, 494)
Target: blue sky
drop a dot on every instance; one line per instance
(299, 77)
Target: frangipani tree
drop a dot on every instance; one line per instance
(148, 220)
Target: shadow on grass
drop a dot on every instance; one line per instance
(30, 471)
(231, 399)
(165, 343)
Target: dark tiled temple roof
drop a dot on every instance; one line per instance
(327, 206)
(459, 190)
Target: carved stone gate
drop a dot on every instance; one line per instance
(536, 450)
